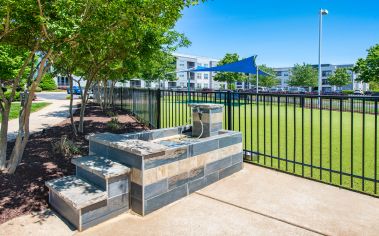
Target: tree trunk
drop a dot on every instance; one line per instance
(4, 136)
(23, 130)
(111, 89)
(83, 106)
(71, 104)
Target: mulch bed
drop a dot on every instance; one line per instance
(25, 192)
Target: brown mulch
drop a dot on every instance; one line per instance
(25, 192)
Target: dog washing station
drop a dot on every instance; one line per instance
(146, 171)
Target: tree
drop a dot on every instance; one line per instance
(265, 80)
(303, 75)
(229, 77)
(339, 78)
(47, 82)
(39, 29)
(368, 69)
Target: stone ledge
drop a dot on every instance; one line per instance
(101, 166)
(76, 192)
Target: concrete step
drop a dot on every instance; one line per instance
(83, 204)
(104, 173)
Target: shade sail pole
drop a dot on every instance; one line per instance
(257, 79)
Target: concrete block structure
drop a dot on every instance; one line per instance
(148, 170)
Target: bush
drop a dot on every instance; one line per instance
(114, 124)
(65, 147)
(16, 95)
(347, 92)
(48, 83)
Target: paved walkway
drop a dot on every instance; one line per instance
(50, 115)
(255, 201)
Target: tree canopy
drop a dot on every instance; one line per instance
(368, 68)
(303, 75)
(98, 40)
(339, 78)
(229, 77)
(270, 80)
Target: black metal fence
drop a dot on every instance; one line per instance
(332, 139)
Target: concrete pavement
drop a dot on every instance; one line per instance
(50, 115)
(255, 201)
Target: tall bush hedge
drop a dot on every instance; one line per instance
(48, 83)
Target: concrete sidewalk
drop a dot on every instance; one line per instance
(50, 115)
(255, 201)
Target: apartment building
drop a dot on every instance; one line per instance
(284, 73)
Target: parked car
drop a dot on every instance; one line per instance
(277, 90)
(75, 90)
(296, 90)
(358, 92)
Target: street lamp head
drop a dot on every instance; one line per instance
(324, 12)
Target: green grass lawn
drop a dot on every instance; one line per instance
(329, 140)
(15, 109)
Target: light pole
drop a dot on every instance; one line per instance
(322, 12)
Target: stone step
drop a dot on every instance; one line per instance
(83, 204)
(104, 173)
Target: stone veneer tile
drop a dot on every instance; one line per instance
(212, 178)
(64, 209)
(230, 150)
(165, 199)
(118, 187)
(113, 204)
(230, 140)
(136, 190)
(196, 173)
(196, 185)
(172, 169)
(203, 147)
(91, 178)
(162, 172)
(99, 149)
(216, 126)
(136, 205)
(129, 159)
(171, 155)
(150, 176)
(217, 117)
(136, 176)
(237, 158)
(230, 170)
(218, 165)
(155, 189)
(177, 180)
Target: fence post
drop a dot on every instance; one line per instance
(158, 108)
(229, 106)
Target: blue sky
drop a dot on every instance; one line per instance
(281, 32)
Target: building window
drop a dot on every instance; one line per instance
(206, 86)
(326, 73)
(206, 76)
(198, 76)
(285, 73)
(198, 86)
(181, 65)
(278, 73)
(206, 65)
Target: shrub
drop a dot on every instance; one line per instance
(110, 113)
(65, 147)
(114, 124)
(48, 83)
(347, 92)
(16, 95)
